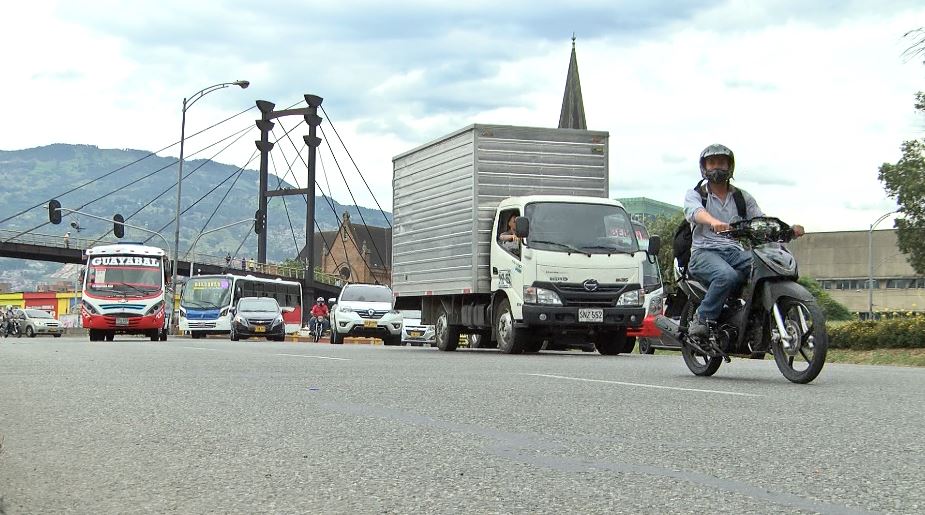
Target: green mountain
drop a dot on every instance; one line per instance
(144, 192)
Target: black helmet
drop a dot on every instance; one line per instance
(718, 175)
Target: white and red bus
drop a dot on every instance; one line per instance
(123, 291)
(207, 299)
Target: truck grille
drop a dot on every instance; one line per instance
(575, 294)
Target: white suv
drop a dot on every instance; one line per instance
(365, 310)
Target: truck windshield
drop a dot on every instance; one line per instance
(136, 280)
(590, 228)
(211, 293)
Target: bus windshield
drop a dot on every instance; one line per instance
(206, 293)
(124, 276)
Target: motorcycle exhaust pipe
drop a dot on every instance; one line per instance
(669, 328)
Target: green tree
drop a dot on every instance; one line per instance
(664, 226)
(905, 182)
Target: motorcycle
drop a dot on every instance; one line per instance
(318, 328)
(772, 313)
(12, 326)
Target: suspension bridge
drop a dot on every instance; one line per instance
(21, 238)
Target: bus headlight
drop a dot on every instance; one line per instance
(155, 308)
(89, 308)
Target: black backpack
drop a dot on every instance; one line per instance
(683, 239)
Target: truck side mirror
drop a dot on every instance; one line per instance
(655, 245)
(522, 227)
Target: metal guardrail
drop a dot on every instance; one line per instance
(50, 240)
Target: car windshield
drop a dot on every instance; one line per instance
(37, 313)
(363, 293)
(250, 305)
(124, 276)
(580, 227)
(206, 293)
(413, 314)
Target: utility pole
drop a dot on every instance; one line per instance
(264, 145)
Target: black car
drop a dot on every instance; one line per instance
(259, 317)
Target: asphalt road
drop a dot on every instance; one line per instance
(195, 426)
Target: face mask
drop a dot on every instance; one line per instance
(719, 175)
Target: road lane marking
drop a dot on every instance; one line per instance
(641, 385)
(198, 348)
(310, 356)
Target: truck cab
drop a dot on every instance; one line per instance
(571, 275)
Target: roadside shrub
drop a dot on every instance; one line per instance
(896, 333)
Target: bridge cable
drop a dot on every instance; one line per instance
(186, 176)
(150, 174)
(359, 211)
(331, 123)
(124, 166)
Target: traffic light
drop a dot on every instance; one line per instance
(54, 212)
(118, 225)
(260, 221)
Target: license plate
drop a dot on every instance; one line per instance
(369, 323)
(260, 329)
(121, 321)
(590, 315)
(415, 334)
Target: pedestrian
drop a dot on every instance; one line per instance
(67, 239)
(227, 260)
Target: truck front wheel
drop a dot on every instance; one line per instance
(511, 339)
(446, 335)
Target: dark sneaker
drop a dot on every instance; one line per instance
(698, 328)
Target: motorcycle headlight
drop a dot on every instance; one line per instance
(534, 295)
(630, 298)
(156, 307)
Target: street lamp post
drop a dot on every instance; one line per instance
(187, 103)
(870, 265)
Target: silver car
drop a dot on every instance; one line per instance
(412, 331)
(36, 321)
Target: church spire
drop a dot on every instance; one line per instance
(573, 108)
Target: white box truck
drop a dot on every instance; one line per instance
(571, 275)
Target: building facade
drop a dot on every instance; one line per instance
(354, 252)
(839, 261)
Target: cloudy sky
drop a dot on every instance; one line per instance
(811, 95)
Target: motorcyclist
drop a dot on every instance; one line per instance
(719, 262)
(319, 310)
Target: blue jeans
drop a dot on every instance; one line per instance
(723, 271)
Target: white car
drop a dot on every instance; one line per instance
(366, 310)
(412, 331)
(37, 321)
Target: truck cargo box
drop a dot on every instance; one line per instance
(445, 194)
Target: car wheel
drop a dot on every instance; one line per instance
(645, 346)
(336, 337)
(57, 335)
(610, 343)
(164, 335)
(30, 332)
(233, 335)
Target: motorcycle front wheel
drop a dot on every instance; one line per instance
(699, 364)
(801, 358)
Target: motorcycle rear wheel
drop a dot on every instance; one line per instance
(803, 362)
(699, 364)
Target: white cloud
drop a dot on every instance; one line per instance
(812, 99)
